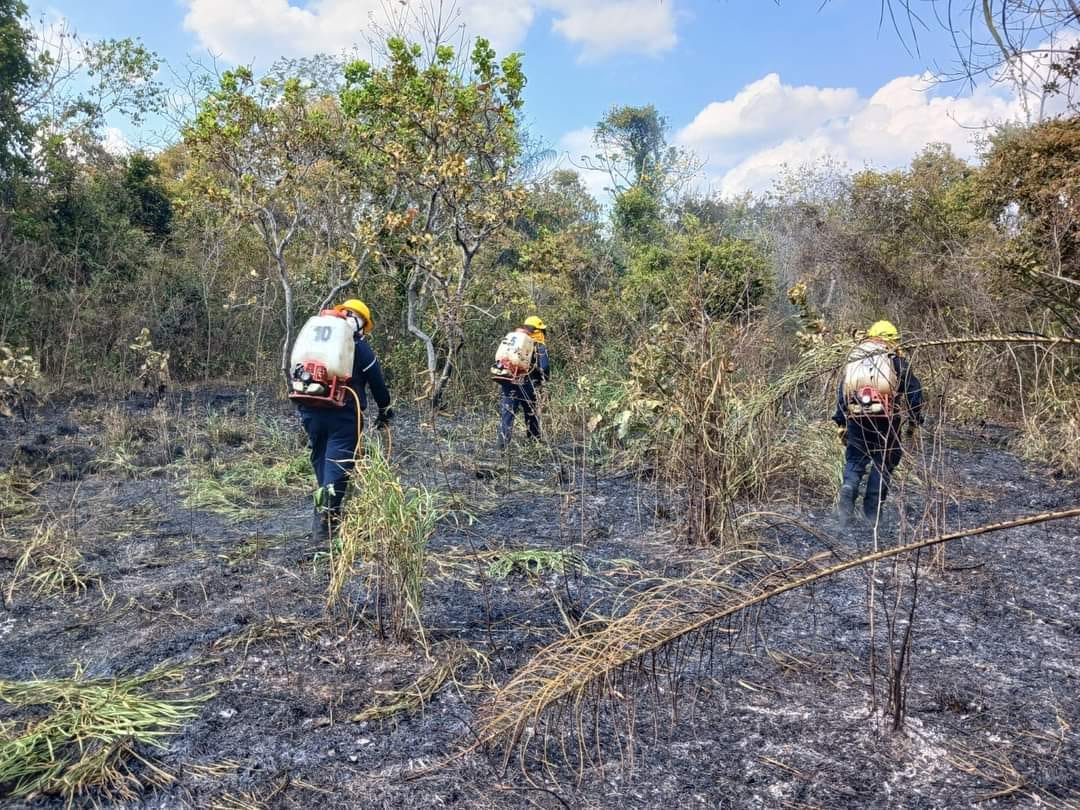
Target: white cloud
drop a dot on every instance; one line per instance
(604, 27)
(245, 30)
(766, 108)
(504, 22)
(242, 30)
(749, 139)
(116, 143)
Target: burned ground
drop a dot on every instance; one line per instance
(772, 711)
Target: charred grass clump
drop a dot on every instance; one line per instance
(77, 737)
(50, 563)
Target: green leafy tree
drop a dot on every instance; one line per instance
(446, 130)
(18, 73)
(276, 158)
(151, 207)
(1031, 185)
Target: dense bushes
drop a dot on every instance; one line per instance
(280, 190)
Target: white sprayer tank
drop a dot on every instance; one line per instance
(328, 341)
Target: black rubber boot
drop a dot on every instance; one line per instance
(883, 520)
(320, 526)
(845, 505)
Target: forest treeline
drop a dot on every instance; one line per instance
(412, 181)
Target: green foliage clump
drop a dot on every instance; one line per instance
(1032, 184)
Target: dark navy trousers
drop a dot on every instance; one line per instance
(873, 443)
(515, 397)
(332, 435)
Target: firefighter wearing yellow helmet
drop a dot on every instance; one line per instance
(331, 379)
(877, 395)
(521, 368)
(357, 308)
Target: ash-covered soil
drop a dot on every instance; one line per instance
(781, 714)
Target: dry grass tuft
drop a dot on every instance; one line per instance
(447, 662)
(386, 525)
(16, 494)
(1051, 431)
(50, 563)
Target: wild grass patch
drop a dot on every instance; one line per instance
(387, 525)
(240, 489)
(813, 456)
(1050, 435)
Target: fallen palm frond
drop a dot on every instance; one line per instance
(1041, 340)
(603, 658)
(90, 731)
(418, 694)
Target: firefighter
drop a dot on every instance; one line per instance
(334, 432)
(523, 393)
(870, 417)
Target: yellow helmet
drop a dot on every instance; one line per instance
(535, 323)
(884, 330)
(358, 307)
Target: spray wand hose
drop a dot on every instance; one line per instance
(384, 426)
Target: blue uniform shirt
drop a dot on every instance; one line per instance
(367, 373)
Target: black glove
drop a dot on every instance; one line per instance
(384, 417)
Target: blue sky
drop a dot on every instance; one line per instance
(746, 84)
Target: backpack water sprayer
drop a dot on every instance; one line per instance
(322, 359)
(870, 381)
(514, 357)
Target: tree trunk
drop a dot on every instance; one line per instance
(455, 333)
(413, 306)
(286, 288)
